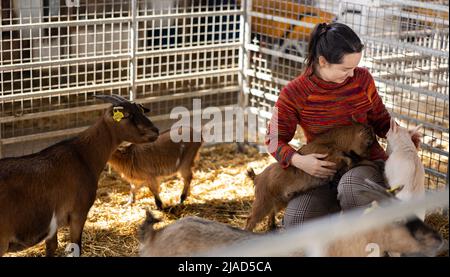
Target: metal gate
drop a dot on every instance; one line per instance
(57, 54)
(406, 50)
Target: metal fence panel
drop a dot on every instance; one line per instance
(56, 55)
(406, 50)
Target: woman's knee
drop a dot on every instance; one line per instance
(309, 205)
(353, 190)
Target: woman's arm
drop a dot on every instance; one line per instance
(281, 129)
(280, 132)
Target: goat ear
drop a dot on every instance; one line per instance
(416, 137)
(394, 125)
(415, 130)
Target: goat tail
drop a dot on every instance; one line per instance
(251, 173)
(146, 229)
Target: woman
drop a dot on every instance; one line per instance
(331, 91)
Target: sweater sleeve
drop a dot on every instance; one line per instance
(378, 117)
(281, 128)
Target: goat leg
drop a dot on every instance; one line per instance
(51, 245)
(76, 229)
(132, 196)
(259, 211)
(153, 185)
(3, 246)
(272, 222)
(187, 179)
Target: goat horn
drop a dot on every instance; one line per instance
(114, 99)
(120, 98)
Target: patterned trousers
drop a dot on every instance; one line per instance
(331, 198)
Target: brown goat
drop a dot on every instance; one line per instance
(145, 163)
(275, 186)
(57, 186)
(192, 235)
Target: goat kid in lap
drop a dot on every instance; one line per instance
(275, 186)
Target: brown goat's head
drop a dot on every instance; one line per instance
(129, 120)
(363, 138)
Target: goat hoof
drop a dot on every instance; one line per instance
(159, 206)
(273, 227)
(182, 198)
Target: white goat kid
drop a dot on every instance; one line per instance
(404, 167)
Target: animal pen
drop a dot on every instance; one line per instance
(56, 55)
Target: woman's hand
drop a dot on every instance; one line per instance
(313, 165)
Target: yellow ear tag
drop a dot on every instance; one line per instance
(117, 114)
(394, 189)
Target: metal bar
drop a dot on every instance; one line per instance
(407, 73)
(188, 49)
(187, 75)
(75, 131)
(409, 88)
(30, 116)
(419, 4)
(188, 15)
(264, 50)
(244, 54)
(405, 34)
(69, 23)
(29, 95)
(407, 46)
(411, 15)
(32, 65)
(46, 135)
(96, 107)
(266, 77)
(434, 150)
(187, 95)
(133, 45)
(434, 172)
(281, 19)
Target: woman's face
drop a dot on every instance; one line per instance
(338, 73)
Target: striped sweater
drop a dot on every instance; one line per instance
(318, 106)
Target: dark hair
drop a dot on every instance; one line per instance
(332, 41)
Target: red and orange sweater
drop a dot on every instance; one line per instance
(318, 106)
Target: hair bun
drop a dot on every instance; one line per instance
(324, 27)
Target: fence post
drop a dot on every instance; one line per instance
(133, 40)
(244, 38)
